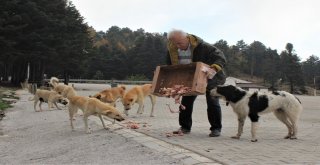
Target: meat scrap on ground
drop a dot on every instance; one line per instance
(175, 92)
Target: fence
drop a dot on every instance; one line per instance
(104, 81)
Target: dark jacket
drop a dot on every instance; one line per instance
(202, 52)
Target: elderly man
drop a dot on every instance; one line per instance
(185, 48)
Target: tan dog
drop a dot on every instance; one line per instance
(137, 95)
(111, 95)
(24, 84)
(51, 97)
(91, 106)
(62, 89)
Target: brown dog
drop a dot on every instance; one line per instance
(62, 89)
(111, 95)
(51, 97)
(137, 95)
(91, 106)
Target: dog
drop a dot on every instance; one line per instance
(137, 95)
(285, 106)
(111, 95)
(51, 97)
(91, 106)
(24, 84)
(65, 90)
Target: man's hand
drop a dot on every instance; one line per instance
(209, 71)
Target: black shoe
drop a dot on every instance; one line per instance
(215, 133)
(181, 130)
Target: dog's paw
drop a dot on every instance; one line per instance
(235, 137)
(293, 137)
(254, 140)
(151, 115)
(287, 137)
(106, 128)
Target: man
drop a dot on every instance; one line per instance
(185, 48)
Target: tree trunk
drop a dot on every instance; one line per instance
(291, 86)
(18, 73)
(251, 67)
(34, 72)
(41, 76)
(5, 74)
(66, 77)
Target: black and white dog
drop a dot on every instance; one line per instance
(285, 106)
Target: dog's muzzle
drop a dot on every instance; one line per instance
(119, 119)
(64, 102)
(213, 92)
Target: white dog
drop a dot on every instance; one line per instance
(285, 106)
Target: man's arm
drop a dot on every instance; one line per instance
(216, 58)
(168, 59)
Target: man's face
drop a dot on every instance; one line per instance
(182, 42)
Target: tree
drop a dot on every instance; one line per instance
(291, 68)
(98, 75)
(311, 69)
(49, 35)
(271, 68)
(255, 55)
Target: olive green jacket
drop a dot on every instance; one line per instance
(202, 52)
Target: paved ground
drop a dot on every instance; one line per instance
(270, 149)
(29, 137)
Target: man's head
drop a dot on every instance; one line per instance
(179, 38)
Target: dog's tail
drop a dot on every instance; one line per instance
(54, 81)
(31, 98)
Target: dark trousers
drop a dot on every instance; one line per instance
(213, 111)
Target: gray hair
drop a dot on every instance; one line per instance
(175, 32)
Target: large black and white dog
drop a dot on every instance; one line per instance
(285, 106)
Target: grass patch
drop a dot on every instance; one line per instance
(6, 93)
(4, 105)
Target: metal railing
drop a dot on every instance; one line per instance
(103, 81)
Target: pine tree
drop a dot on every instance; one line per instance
(291, 68)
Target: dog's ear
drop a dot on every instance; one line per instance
(106, 112)
(123, 87)
(98, 96)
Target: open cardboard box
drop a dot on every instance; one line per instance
(189, 75)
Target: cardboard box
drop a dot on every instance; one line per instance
(190, 75)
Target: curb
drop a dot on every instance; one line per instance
(186, 156)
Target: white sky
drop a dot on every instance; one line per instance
(272, 22)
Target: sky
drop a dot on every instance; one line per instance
(272, 22)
